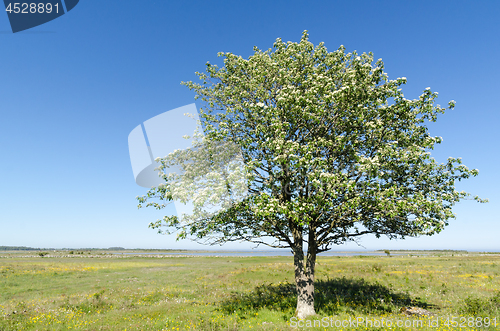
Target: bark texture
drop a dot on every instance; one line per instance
(304, 275)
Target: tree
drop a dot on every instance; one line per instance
(331, 148)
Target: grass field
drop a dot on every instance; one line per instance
(97, 291)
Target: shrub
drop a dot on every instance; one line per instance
(478, 306)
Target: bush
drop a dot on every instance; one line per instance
(477, 306)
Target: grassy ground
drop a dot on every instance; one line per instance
(103, 292)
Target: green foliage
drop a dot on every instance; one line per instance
(332, 150)
(483, 307)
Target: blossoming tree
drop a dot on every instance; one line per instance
(331, 148)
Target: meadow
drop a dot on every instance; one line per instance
(100, 291)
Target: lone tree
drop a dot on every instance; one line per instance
(332, 151)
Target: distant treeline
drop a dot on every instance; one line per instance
(24, 248)
(424, 250)
(18, 248)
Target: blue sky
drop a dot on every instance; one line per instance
(71, 91)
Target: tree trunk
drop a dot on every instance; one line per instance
(304, 279)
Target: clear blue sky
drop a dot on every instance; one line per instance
(72, 90)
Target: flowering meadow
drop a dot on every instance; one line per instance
(100, 291)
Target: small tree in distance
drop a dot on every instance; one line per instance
(332, 151)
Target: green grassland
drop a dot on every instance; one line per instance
(100, 291)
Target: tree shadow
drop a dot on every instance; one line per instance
(332, 296)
